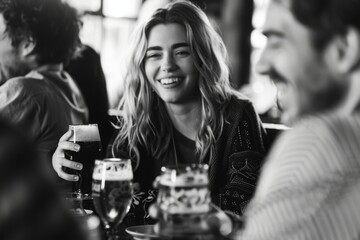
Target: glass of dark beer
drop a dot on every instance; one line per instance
(183, 200)
(112, 192)
(88, 137)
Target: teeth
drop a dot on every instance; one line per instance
(166, 81)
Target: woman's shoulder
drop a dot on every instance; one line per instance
(239, 98)
(238, 102)
(239, 106)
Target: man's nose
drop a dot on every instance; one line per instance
(168, 63)
(263, 64)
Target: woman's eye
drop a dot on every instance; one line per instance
(152, 55)
(182, 53)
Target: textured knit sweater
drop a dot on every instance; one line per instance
(233, 168)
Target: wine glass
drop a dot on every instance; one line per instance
(112, 192)
(88, 137)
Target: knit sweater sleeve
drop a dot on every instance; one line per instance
(242, 158)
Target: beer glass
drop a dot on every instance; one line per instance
(112, 192)
(183, 200)
(88, 137)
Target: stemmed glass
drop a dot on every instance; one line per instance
(88, 137)
(112, 192)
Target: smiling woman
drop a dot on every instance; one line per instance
(178, 108)
(170, 68)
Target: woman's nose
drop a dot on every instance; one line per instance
(168, 63)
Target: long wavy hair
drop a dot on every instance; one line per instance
(144, 120)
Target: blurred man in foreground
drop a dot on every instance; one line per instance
(30, 208)
(310, 185)
(36, 38)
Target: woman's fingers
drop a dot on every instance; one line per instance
(59, 161)
(63, 162)
(66, 145)
(66, 136)
(219, 222)
(70, 164)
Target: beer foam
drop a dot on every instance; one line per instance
(85, 133)
(112, 173)
(184, 180)
(114, 176)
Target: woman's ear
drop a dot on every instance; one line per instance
(345, 51)
(27, 46)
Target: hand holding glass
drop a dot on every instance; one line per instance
(88, 137)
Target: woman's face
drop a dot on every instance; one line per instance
(169, 65)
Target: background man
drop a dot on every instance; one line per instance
(36, 38)
(310, 184)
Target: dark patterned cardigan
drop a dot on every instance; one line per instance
(233, 169)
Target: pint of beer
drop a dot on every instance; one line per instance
(183, 199)
(88, 137)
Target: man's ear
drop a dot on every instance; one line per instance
(27, 46)
(345, 51)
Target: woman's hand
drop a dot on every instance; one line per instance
(59, 160)
(219, 222)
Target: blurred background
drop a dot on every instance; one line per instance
(109, 23)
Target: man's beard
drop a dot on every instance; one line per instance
(327, 98)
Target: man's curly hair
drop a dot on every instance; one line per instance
(52, 24)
